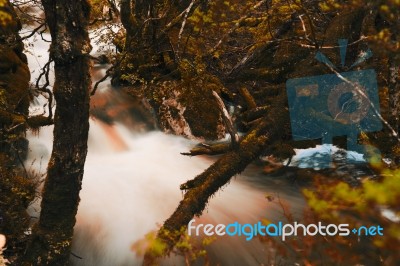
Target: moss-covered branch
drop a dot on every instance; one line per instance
(13, 121)
(254, 114)
(211, 180)
(249, 99)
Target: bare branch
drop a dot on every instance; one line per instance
(227, 120)
(187, 11)
(44, 88)
(108, 73)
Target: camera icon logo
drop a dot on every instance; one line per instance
(339, 104)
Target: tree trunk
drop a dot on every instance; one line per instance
(51, 240)
(14, 90)
(16, 190)
(145, 42)
(149, 50)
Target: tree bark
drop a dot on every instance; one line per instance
(51, 238)
(14, 89)
(149, 50)
(16, 190)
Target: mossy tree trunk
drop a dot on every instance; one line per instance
(148, 51)
(16, 190)
(141, 56)
(51, 237)
(14, 90)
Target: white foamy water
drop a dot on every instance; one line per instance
(127, 192)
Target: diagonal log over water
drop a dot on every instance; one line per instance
(211, 180)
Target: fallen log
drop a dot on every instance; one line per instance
(201, 188)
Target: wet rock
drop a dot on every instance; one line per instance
(188, 108)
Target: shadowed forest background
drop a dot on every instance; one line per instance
(214, 72)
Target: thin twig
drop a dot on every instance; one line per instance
(33, 32)
(44, 88)
(187, 11)
(96, 85)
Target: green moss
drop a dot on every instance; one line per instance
(5, 16)
(16, 194)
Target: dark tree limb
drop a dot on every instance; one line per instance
(45, 71)
(211, 180)
(33, 32)
(96, 85)
(38, 121)
(209, 149)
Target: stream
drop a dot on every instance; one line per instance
(131, 186)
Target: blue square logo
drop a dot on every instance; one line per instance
(340, 104)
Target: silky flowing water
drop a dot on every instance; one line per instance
(131, 185)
